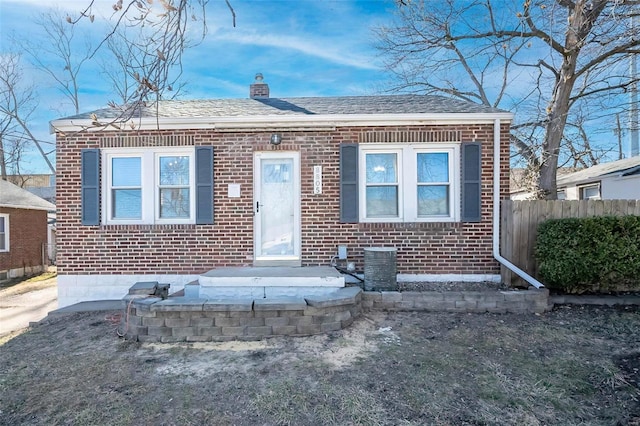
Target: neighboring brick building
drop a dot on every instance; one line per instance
(266, 181)
(23, 231)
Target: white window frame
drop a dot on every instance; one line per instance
(408, 180)
(5, 218)
(150, 184)
(582, 189)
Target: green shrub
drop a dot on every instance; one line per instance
(597, 254)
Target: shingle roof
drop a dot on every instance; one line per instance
(620, 167)
(389, 104)
(15, 197)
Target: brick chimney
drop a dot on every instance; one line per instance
(259, 89)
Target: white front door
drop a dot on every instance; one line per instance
(277, 208)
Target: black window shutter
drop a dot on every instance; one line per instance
(349, 183)
(471, 179)
(90, 186)
(204, 185)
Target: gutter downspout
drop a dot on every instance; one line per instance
(496, 211)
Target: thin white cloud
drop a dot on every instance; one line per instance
(310, 48)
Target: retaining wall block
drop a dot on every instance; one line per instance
(167, 314)
(234, 331)
(373, 296)
(208, 331)
(172, 339)
(241, 314)
(252, 322)
(227, 322)
(159, 331)
(199, 338)
(154, 322)
(407, 305)
(132, 320)
(453, 295)
(190, 315)
(137, 330)
(466, 305)
(429, 305)
(148, 339)
(143, 312)
(276, 321)
(262, 331)
(201, 322)
(216, 314)
(300, 321)
(391, 296)
(367, 303)
(223, 338)
(473, 295)
(309, 329)
(284, 330)
(485, 305)
(421, 296)
(183, 331)
(290, 314)
(513, 296)
(177, 322)
(265, 314)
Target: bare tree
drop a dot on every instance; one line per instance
(16, 105)
(61, 53)
(121, 57)
(544, 59)
(165, 30)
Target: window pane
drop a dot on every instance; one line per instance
(276, 171)
(174, 203)
(125, 171)
(433, 167)
(2, 225)
(382, 201)
(174, 170)
(433, 200)
(382, 168)
(127, 203)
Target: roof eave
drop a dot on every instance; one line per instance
(27, 207)
(279, 121)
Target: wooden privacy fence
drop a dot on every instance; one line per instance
(519, 222)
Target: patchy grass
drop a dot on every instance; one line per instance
(572, 366)
(16, 286)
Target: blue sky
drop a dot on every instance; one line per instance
(302, 47)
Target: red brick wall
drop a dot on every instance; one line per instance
(27, 234)
(425, 248)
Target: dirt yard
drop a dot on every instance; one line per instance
(571, 366)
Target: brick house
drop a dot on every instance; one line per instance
(23, 231)
(184, 187)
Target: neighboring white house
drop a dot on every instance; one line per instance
(617, 180)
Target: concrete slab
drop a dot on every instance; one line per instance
(95, 305)
(271, 276)
(273, 271)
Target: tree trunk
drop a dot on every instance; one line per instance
(581, 18)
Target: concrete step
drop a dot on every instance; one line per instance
(263, 282)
